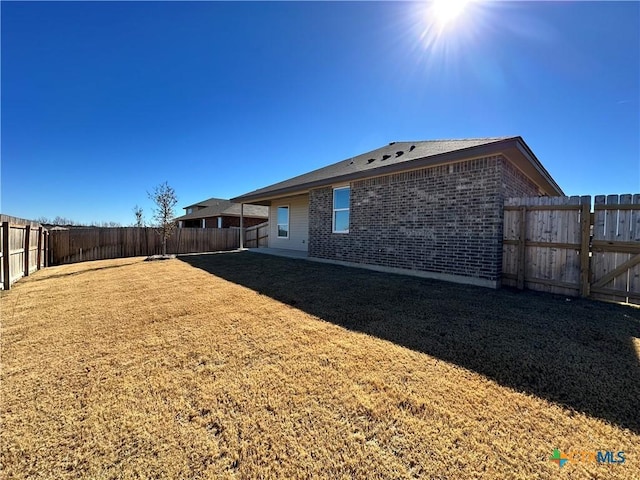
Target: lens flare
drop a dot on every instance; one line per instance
(446, 11)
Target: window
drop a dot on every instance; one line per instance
(189, 210)
(283, 222)
(341, 198)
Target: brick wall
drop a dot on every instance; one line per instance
(515, 183)
(445, 219)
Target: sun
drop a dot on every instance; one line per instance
(446, 11)
(449, 25)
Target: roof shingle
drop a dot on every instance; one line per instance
(393, 154)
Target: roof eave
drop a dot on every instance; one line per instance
(533, 160)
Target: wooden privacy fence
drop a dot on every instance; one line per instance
(84, 244)
(556, 244)
(24, 250)
(257, 236)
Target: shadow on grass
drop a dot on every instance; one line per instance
(577, 353)
(80, 272)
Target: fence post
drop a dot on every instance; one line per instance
(47, 240)
(27, 242)
(69, 246)
(48, 260)
(39, 247)
(585, 231)
(522, 247)
(6, 255)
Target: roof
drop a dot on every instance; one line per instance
(210, 202)
(216, 207)
(402, 156)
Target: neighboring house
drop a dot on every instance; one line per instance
(429, 208)
(221, 213)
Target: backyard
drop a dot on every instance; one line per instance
(242, 365)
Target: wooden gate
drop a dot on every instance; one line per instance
(555, 244)
(615, 261)
(257, 236)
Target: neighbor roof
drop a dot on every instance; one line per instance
(210, 202)
(400, 156)
(216, 207)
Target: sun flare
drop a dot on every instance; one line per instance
(446, 11)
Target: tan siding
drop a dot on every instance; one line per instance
(298, 223)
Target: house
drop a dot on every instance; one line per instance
(428, 208)
(221, 213)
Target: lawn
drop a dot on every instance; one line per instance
(243, 365)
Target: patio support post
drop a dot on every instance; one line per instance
(241, 226)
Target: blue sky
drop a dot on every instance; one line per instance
(103, 101)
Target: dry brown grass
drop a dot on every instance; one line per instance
(132, 369)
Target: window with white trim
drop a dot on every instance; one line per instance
(341, 199)
(283, 221)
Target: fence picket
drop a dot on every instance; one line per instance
(621, 282)
(599, 258)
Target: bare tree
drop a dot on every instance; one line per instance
(137, 211)
(165, 200)
(104, 224)
(63, 221)
(67, 222)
